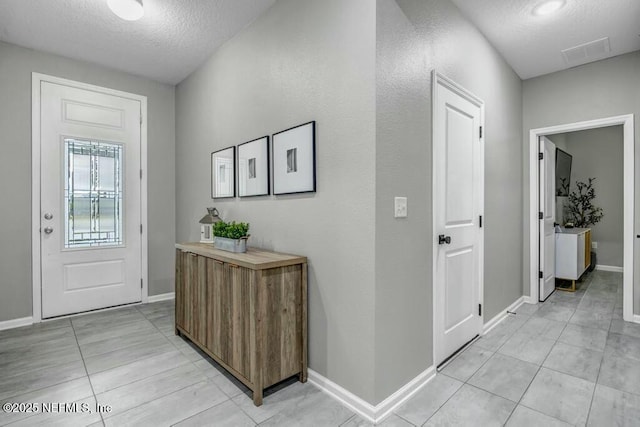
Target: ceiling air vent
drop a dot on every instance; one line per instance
(587, 52)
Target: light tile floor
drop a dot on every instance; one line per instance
(569, 361)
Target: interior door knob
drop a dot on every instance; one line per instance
(48, 216)
(442, 239)
(48, 230)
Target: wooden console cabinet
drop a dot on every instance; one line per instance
(247, 311)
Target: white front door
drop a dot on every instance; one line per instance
(90, 199)
(547, 218)
(458, 200)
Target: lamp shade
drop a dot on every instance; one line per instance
(129, 10)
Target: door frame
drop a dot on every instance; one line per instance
(628, 201)
(36, 81)
(439, 79)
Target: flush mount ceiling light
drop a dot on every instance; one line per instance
(547, 7)
(129, 10)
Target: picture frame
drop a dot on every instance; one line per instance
(253, 168)
(223, 176)
(294, 159)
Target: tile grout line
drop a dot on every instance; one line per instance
(204, 410)
(558, 341)
(144, 403)
(205, 379)
(95, 397)
(493, 353)
(539, 366)
(593, 395)
(532, 378)
(230, 398)
(399, 416)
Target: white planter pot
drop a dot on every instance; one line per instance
(230, 245)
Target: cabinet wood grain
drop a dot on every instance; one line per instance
(247, 311)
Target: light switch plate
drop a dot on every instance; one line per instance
(594, 245)
(400, 207)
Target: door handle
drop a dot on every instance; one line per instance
(442, 239)
(48, 230)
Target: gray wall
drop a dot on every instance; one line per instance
(601, 89)
(599, 153)
(414, 37)
(16, 66)
(300, 61)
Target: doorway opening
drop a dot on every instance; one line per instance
(628, 174)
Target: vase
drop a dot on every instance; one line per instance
(231, 245)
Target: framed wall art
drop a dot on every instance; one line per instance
(223, 176)
(253, 168)
(294, 160)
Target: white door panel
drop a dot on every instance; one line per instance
(90, 200)
(547, 223)
(458, 192)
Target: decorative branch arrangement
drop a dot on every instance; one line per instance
(580, 209)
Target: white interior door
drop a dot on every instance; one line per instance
(90, 219)
(458, 200)
(547, 218)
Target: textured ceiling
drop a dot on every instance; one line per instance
(532, 44)
(172, 39)
(176, 36)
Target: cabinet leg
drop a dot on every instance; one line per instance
(257, 397)
(302, 376)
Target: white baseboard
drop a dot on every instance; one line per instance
(16, 323)
(501, 316)
(161, 297)
(529, 300)
(609, 268)
(636, 318)
(379, 412)
(387, 406)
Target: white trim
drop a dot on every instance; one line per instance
(36, 277)
(36, 80)
(344, 396)
(16, 323)
(629, 210)
(529, 300)
(612, 268)
(161, 297)
(379, 412)
(437, 79)
(404, 393)
(501, 316)
(635, 318)
(144, 246)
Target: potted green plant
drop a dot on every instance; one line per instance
(580, 210)
(231, 236)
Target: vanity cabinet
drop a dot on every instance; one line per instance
(248, 311)
(573, 254)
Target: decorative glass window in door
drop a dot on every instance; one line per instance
(93, 193)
